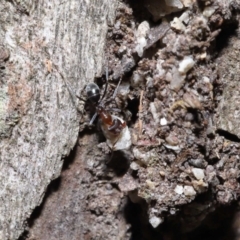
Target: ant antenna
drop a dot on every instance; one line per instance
(115, 92)
(116, 89)
(106, 85)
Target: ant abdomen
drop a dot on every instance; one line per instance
(114, 129)
(104, 115)
(93, 93)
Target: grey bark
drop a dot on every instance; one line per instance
(45, 47)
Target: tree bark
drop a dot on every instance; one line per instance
(46, 46)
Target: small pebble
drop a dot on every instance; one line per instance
(177, 25)
(155, 221)
(186, 64)
(189, 191)
(163, 121)
(198, 173)
(178, 189)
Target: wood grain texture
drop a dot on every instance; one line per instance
(51, 44)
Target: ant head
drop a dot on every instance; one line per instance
(93, 93)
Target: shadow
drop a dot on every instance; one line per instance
(140, 12)
(228, 29)
(227, 135)
(119, 162)
(69, 159)
(136, 215)
(216, 226)
(133, 108)
(52, 187)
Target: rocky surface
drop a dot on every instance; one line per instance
(177, 96)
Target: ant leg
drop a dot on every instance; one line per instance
(116, 89)
(93, 118)
(82, 99)
(117, 126)
(114, 110)
(106, 86)
(115, 93)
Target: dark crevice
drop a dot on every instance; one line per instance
(24, 235)
(140, 12)
(137, 216)
(133, 108)
(213, 161)
(152, 51)
(69, 160)
(228, 29)
(202, 150)
(53, 187)
(119, 162)
(216, 225)
(227, 135)
(221, 180)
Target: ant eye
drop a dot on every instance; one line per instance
(93, 92)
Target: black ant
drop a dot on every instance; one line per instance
(114, 125)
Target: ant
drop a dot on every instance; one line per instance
(111, 125)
